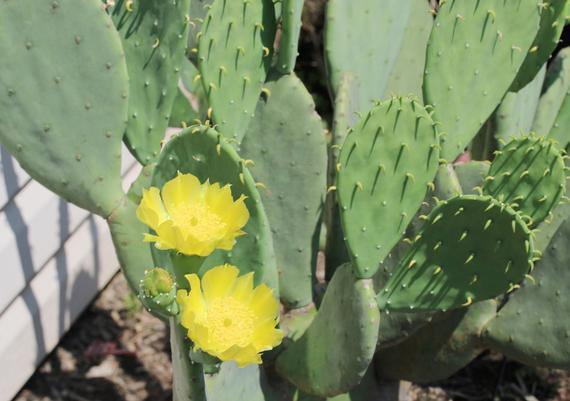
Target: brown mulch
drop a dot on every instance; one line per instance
(115, 352)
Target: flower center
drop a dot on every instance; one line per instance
(198, 220)
(230, 323)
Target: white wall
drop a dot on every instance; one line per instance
(54, 258)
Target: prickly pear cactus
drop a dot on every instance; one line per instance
(154, 35)
(330, 358)
(286, 120)
(234, 55)
(474, 53)
(371, 61)
(553, 14)
(204, 153)
(64, 107)
(420, 247)
(387, 164)
(439, 349)
(529, 174)
(553, 108)
(529, 327)
(470, 249)
(515, 115)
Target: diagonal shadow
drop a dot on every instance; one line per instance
(21, 233)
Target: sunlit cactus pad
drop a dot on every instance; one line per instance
(474, 53)
(386, 166)
(528, 173)
(471, 248)
(234, 55)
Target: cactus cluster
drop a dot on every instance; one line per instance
(430, 258)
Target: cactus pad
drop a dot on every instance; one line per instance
(553, 114)
(471, 175)
(470, 248)
(154, 35)
(474, 53)
(407, 75)
(349, 48)
(291, 28)
(63, 97)
(532, 326)
(286, 136)
(234, 55)
(204, 153)
(439, 349)
(528, 173)
(386, 165)
(553, 15)
(515, 115)
(333, 354)
(345, 116)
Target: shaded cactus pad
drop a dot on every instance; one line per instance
(471, 248)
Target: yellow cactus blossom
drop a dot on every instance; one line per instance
(227, 318)
(192, 218)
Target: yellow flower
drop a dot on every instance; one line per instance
(228, 318)
(193, 218)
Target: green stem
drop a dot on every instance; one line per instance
(188, 375)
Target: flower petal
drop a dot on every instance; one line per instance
(263, 303)
(218, 281)
(151, 210)
(192, 303)
(167, 236)
(266, 336)
(243, 288)
(183, 188)
(242, 355)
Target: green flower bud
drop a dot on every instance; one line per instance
(158, 292)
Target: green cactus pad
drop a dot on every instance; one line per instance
(553, 15)
(188, 377)
(232, 383)
(198, 11)
(439, 349)
(395, 327)
(291, 29)
(471, 175)
(349, 48)
(532, 327)
(133, 254)
(407, 75)
(154, 35)
(190, 102)
(204, 153)
(286, 143)
(553, 114)
(234, 55)
(63, 98)
(474, 53)
(515, 115)
(387, 164)
(333, 354)
(528, 173)
(345, 116)
(471, 248)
